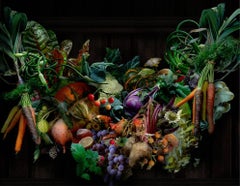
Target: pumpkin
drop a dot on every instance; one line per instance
(73, 91)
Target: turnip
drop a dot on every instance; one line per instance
(61, 133)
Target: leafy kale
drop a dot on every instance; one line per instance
(86, 161)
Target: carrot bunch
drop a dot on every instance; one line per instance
(202, 98)
(15, 117)
(12, 119)
(21, 132)
(23, 115)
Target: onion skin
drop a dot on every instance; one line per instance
(61, 134)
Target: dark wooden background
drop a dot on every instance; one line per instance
(136, 28)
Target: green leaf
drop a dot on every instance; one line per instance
(97, 75)
(5, 37)
(36, 154)
(84, 68)
(18, 24)
(102, 66)
(223, 94)
(86, 161)
(121, 69)
(229, 30)
(85, 176)
(231, 22)
(220, 110)
(53, 41)
(63, 110)
(36, 37)
(98, 71)
(77, 151)
(8, 52)
(112, 55)
(79, 169)
(6, 13)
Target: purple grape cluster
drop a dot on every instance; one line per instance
(116, 162)
(99, 144)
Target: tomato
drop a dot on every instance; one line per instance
(111, 99)
(91, 97)
(97, 103)
(103, 101)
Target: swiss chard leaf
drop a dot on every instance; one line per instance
(36, 37)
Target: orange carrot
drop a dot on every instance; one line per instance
(210, 98)
(13, 123)
(187, 98)
(210, 106)
(21, 131)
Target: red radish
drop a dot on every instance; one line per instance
(61, 133)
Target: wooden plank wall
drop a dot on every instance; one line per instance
(136, 28)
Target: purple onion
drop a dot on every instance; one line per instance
(132, 102)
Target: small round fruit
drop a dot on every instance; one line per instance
(43, 126)
(151, 163)
(160, 158)
(103, 101)
(86, 142)
(108, 107)
(111, 99)
(91, 97)
(97, 103)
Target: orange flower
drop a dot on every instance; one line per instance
(160, 158)
(138, 122)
